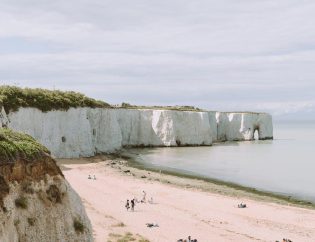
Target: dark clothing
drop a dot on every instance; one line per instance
(127, 205)
(132, 204)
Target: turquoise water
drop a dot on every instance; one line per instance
(285, 165)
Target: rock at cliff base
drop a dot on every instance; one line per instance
(36, 202)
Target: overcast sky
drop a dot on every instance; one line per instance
(220, 55)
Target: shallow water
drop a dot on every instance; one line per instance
(285, 165)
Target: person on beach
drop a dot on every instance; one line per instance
(143, 198)
(127, 206)
(132, 205)
(241, 205)
(151, 225)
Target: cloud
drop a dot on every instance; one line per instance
(218, 55)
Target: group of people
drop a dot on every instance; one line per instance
(187, 240)
(285, 240)
(132, 203)
(90, 177)
(241, 205)
(151, 225)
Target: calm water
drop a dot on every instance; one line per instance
(285, 165)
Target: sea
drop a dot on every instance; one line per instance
(285, 165)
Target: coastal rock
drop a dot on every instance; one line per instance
(87, 131)
(213, 125)
(163, 128)
(242, 126)
(36, 202)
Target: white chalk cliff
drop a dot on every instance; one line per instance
(242, 126)
(87, 131)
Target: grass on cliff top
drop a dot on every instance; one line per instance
(175, 108)
(12, 98)
(14, 145)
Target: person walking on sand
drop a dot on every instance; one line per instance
(132, 205)
(143, 198)
(127, 206)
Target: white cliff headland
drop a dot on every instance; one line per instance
(71, 125)
(88, 131)
(38, 204)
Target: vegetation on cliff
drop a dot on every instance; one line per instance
(12, 98)
(175, 108)
(14, 145)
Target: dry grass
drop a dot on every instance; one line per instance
(127, 237)
(121, 224)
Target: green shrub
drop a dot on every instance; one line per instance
(126, 105)
(174, 108)
(12, 98)
(31, 221)
(15, 145)
(21, 202)
(78, 226)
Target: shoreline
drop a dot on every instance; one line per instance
(181, 206)
(233, 188)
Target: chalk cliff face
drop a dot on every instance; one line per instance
(86, 131)
(163, 127)
(36, 202)
(242, 126)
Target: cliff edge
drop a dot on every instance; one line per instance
(72, 125)
(36, 202)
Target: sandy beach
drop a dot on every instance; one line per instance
(181, 207)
